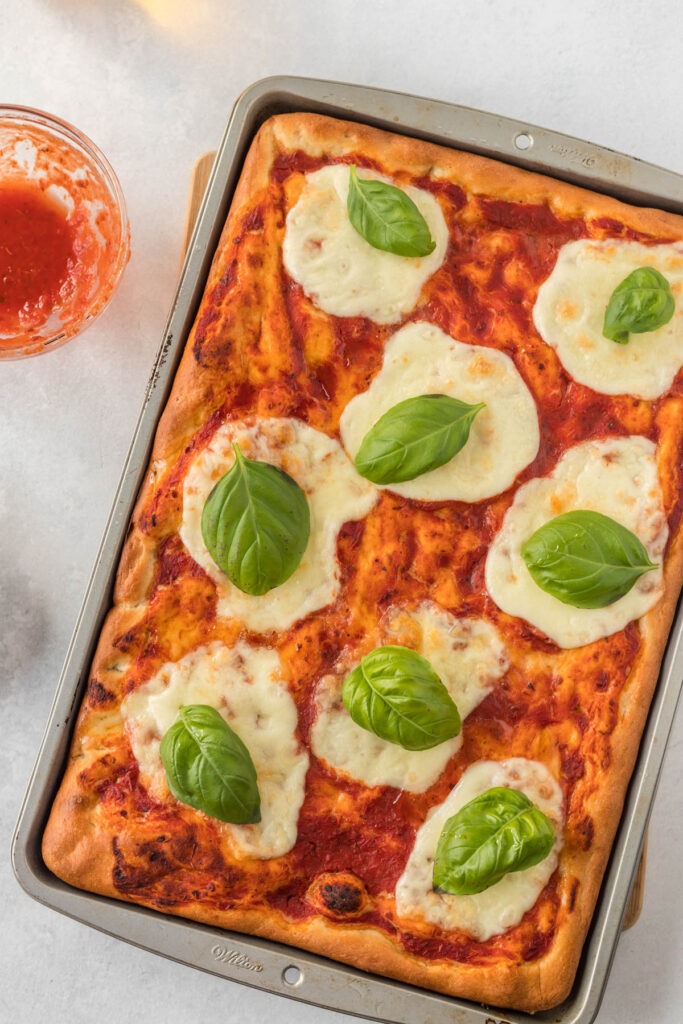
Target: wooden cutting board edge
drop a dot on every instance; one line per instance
(198, 182)
(199, 179)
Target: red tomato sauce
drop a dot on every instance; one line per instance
(401, 553)
(37, 257)
(64, 238)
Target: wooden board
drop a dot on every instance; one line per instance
(198, 182)
(635, 900)
(199, 179)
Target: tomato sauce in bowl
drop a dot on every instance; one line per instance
(64, 236)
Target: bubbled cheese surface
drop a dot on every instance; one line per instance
(617, 477)
(504, 904)
(468, 655)
(570, 310)
(342, 273)
(420, 359)
(244, 684)
(335, 494)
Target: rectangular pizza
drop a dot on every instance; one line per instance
(394, 596)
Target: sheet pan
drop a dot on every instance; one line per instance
(245, 959)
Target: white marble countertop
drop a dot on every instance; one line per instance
(152, 82)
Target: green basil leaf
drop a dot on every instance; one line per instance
(585, 559)
(387, 217)
(642, 302)
(256, 524)
(415, 436)
(496, 833)
(208, 767)
(396, 694)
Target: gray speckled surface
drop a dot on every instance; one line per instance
(152, 83)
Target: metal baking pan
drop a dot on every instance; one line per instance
(241, 958)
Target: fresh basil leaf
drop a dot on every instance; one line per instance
(256, 524)
(414, 437)
(496, 833)
(387, 217)
(208, 767)
(642, 302)
(585, 559)
(396, 694)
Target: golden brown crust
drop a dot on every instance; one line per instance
(477, 175)
(78, 845)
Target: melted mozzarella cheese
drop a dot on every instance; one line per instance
(335, 494)
(342, 273)
(617, 477)
(244, 684)
(570, 311)
(468, 656)
(504, 904)
(504, 437)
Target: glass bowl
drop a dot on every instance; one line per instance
(40, 151)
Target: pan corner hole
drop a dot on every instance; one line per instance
(292, 976)
(524, 140)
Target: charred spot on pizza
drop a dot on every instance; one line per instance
(99, 695)
(167, 868)
(572, 894)
(213, 344)
(572, 764)
(585, 832)
(134, 640)
(137, 868)
(339, 894)
(99, 771)
(209, 352)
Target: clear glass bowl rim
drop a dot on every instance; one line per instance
(72, 134)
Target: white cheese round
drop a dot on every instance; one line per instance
(617, 477)
(342, 273)
(570, 312)
(468, 656)
(335, 494)
(504, 904)
(244, 684)
(420, 359)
